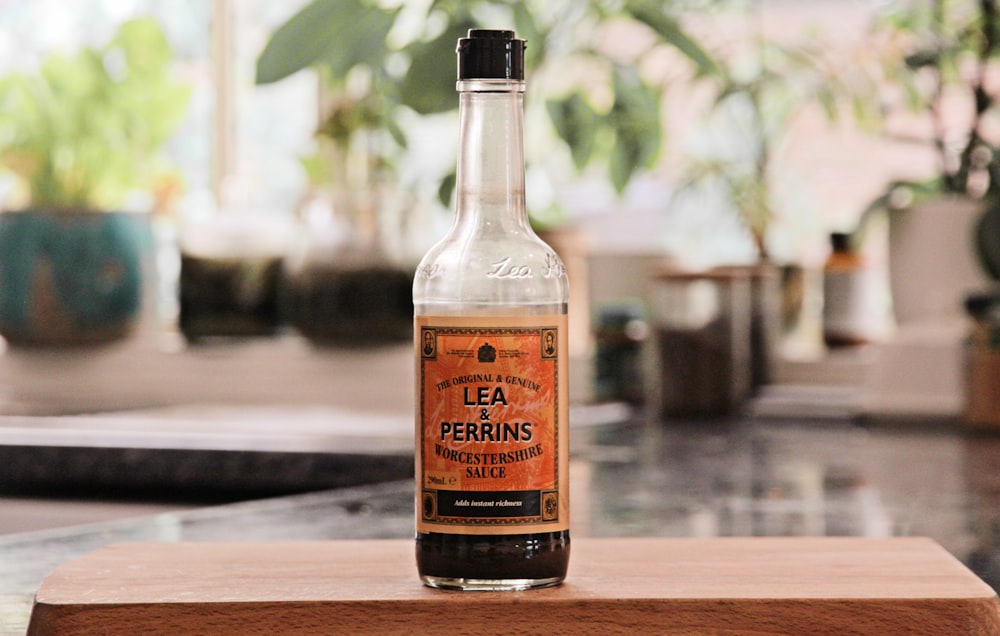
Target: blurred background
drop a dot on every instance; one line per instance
(212, 210)
(704, 134)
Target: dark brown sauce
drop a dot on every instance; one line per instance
(541, 555)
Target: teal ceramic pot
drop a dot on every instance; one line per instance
(69, 278)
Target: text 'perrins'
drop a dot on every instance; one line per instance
(486, 431)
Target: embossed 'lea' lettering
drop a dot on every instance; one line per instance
(504, 269)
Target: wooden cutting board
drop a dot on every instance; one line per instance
(615, 586)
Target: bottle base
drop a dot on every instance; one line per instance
(489, 585)
(492, 562)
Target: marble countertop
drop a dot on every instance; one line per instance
(215, 452)
(750, 476)
(194, 451)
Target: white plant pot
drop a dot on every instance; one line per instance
(932, 261)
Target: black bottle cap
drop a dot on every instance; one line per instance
(840, 242)
(490, 54)
(979, 305)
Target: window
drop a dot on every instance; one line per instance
(237, 137)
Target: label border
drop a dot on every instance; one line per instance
(544, 521)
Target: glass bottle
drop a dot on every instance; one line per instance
(850, 313)
(490, 304)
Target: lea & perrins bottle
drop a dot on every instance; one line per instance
(490, 305)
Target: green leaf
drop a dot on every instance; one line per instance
(429, 84)
(144, 46)
(301, 41)
(827, 100)
(362, 40)
(621, 166)
(317, 168)
(576, 123)
(527, 29)
(446, 189)
(396, 132)
(635, 118)
(652, 15)
(338, 33)
(925, 57)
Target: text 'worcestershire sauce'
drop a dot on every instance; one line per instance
(490, 304)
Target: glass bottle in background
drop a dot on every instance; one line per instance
(850, 288)
(490, 303)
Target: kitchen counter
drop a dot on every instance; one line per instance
(753, 475)
(192, 452)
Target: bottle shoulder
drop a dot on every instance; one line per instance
(508, 269)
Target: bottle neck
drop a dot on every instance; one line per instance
(490, 176)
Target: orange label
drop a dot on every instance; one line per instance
(491, 424)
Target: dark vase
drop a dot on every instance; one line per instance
(355, 296)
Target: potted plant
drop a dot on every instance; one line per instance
(78, 136)
(758, 94)
(942, 231)
(380, 76)
(413, 72)
(347, 283)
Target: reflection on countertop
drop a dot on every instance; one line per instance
(746, 476)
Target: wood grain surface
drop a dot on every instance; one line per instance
(615, 586)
